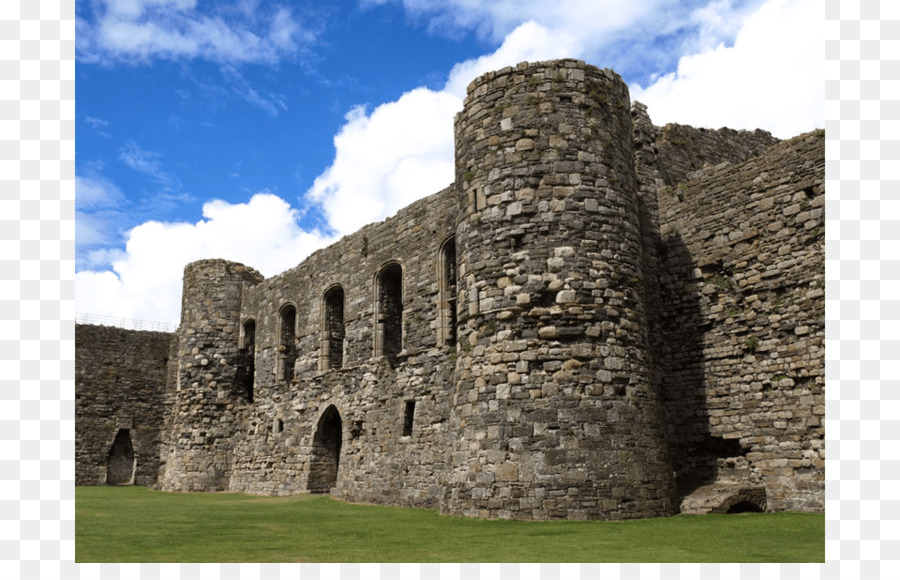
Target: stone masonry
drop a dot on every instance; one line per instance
(599, 319)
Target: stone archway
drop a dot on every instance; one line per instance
(120, 461)
(326, 452)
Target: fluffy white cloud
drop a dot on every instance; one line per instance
(530, 41)
(144, 30)
(145, 283)
(771, 78)
(400, 152)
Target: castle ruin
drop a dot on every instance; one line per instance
(599, 319)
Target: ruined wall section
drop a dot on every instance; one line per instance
(275, 446)
(682, 149)
(199, 432)
(554, 408)
(120, 378)
(743, 324)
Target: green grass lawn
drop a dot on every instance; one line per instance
(134, 524)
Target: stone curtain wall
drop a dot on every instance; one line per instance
(683, 149)
(273, 441)
(742, 327)
(120, 378)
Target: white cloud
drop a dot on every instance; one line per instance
(772, 78)
(386, 159)
(145, 283)
(144, 30)
(528, 42)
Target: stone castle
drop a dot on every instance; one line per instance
(599, 319)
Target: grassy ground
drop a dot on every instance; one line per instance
(134, 524)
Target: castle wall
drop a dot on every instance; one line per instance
(594, 303)
(273, 447)
(682, 149)
(742, 326)
(120, 377)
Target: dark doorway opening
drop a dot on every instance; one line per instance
(120, 461)
(326, 452)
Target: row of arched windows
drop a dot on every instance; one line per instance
(388, 321)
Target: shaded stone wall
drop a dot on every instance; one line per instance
(120, 379)
(742, 323)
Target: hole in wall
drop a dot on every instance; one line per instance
(120, 460)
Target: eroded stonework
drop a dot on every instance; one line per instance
(599, 319)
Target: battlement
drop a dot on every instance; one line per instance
(596, 320)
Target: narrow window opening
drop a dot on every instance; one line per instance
(287, 349)
(447, 293)
(390, 313)
(280, 427)
(247, 368)
(333, 330)
(408, 415)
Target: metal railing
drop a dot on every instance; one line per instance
(125, 323)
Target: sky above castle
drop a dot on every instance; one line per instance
(260, 131)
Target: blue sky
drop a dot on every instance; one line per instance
(259, 131)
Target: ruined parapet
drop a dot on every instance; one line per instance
(209, 382)
(553, 404)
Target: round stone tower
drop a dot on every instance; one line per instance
(554, 402)
(197, 443)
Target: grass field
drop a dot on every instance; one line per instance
(134, 524)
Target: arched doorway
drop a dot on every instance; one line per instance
(326, 452)
(120, 461)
